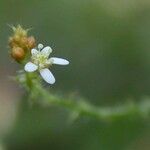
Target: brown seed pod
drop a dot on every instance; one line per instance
(18, 54)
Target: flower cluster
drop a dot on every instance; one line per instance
(40, 61)
(20, 43)
(23, 48)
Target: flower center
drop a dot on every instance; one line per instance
(41, 60)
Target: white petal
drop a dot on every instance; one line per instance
(30, 67)
(59, 61)
(46, 50)
(47, 76)
(34, 51)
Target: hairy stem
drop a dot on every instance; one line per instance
(83, 108)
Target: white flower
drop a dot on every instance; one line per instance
(40, 61)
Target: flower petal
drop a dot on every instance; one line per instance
(46, 50)
(34, 51)
(30, 67)
(47, 76)
(59, 61)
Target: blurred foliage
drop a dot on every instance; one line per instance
(108, 45)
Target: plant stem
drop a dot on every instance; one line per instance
(81, 107)
(84, 108)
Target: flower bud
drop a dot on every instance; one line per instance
(23, 43)
(19, 31)
(31, 42)
(18, 54)
(11, 42)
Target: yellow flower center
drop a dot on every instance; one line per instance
(41, 60)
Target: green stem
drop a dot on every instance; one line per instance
(82, 108)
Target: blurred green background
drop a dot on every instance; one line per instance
(108, 45)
